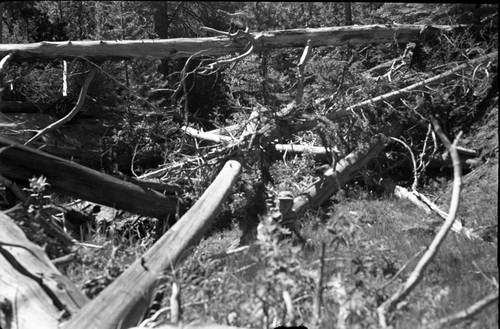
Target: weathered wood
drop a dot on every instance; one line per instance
(416, 275)
(221, 45)
(71, 114)
(332, 180)
(37, 292)
(20, 163)
(302, 148)
(207, 135)
(192, 326)
(123, 303)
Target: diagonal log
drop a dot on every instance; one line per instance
(332, 180)
(37, 292)
(123, 303)
(20, 163)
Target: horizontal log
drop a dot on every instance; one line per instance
(123, 303)
(221, 45)
(20, 163)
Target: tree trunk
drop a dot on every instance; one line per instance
(20, 163)
(33, 293)
(332, 180)
(222, 45)
(123, 303)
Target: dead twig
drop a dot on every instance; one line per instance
(402, 269)
(468, 313)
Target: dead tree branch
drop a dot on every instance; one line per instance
(20, 163)
(468, 313)
(71, 114)
(416, 276)
(128, 297)
(389, 97)
(31, 283)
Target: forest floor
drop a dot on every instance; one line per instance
(368, 239)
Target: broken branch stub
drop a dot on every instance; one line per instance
(331, 180)
(221, 45)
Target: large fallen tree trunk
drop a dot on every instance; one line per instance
(20, 163)
(33, 293)
(123, 303)
(222, 45)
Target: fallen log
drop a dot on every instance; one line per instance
(332, 180)
(36, 292)
(221, 45)
(20, 163)
(123, 303)
(321, 150)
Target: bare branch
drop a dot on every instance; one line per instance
(415, 177)
(71, 114)
(175, 304)
(468, 313)
(206, 135)
(416, 276)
